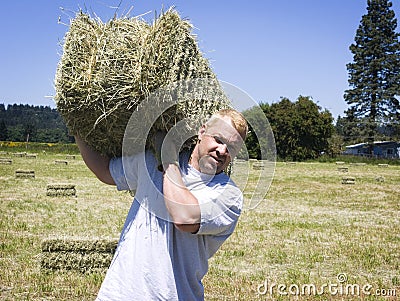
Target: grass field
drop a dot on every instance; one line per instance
(310, 232)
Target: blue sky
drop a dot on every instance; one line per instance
(269, 49)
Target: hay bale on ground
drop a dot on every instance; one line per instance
(358, 164)
(348, 180)
(258, 165)
(343, 169)
(19, 173)
(20, 154)
(77, 254)
(76, 261)
(108, 69)
(61, 162)
(79, 245)
(60, 190)
(5, 161)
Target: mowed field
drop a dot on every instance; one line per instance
(310, 238)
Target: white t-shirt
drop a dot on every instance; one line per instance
(154, 260)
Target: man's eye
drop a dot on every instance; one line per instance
(219, 140)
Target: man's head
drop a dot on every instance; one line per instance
(219, 141)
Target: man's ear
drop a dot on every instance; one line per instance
(201, 132)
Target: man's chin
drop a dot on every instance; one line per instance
(211, 169)
(208, 165)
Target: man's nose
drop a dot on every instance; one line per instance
(222, 149)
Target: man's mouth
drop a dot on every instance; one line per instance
(217, 160)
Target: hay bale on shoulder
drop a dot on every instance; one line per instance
(108, 69)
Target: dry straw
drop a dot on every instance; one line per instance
(108, 69)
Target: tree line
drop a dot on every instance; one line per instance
(302, 129)
(24, 122)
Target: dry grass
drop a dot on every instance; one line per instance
(309, 228)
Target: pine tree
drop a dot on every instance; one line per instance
(374, 74)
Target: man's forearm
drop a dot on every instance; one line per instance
(181, 204)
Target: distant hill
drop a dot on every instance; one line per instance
(22, 122)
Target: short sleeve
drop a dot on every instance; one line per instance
(124, 172)
(219, 215)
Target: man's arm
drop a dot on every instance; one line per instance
(181, 204)
(96, 162)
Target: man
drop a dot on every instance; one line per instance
(180, 216)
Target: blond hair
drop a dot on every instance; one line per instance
(238, 120)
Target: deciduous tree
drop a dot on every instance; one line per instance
(301, 129)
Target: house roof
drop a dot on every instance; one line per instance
(375, 143)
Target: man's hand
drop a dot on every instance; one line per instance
(166, 149)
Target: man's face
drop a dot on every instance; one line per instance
(219, 143)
